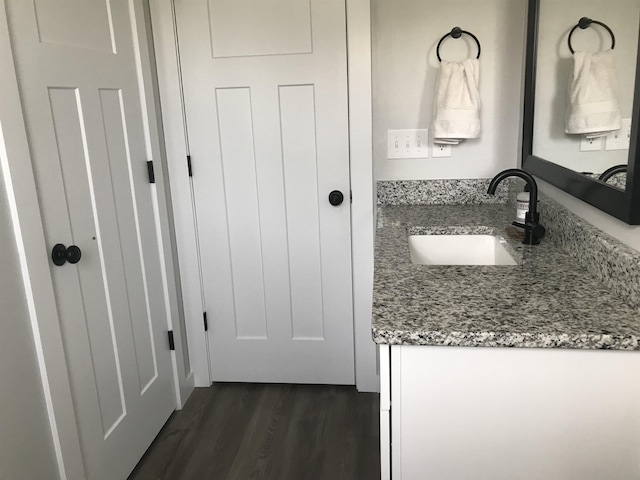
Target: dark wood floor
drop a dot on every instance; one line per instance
(273, 432)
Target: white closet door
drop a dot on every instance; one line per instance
(78, 73)
(265, 88)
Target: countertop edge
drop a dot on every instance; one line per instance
(506, 340)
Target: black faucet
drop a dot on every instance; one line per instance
(610, 172)
(533, 231)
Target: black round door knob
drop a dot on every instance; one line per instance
(73, 254)
(336, 198)
(61, 254)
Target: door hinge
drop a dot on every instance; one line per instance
(189, 165)
(206, 324)
(172, 345)
(152, 176)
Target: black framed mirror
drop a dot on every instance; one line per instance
(622, 201)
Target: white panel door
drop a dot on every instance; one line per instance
(78, 72)
(265, 89)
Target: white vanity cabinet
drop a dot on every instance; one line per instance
(476, 413)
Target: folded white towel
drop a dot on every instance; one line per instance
(593, 95)
(456, 109)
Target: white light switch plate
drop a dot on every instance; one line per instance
(619, 140)
(408, 143)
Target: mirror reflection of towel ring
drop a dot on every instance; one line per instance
(584, 23)
(456, 32)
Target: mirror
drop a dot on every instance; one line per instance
(571, 161)
(554, 62)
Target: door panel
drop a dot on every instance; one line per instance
(95, 30)
(266, 106)
(128, 220)
(255, 27)
(81, 102)
(299, 155)
(239, 167)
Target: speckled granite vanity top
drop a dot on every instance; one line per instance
(548, 300)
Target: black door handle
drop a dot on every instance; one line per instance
(61, 254)
(336, 197)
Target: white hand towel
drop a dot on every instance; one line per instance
(456, 109)
(593, 95)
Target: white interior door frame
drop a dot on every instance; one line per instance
(175, 137)
(362, 188)
(19, 182)
(361, 171)
(154, 139)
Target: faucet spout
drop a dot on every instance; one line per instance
(533, 231)
(516, 172)
(610, 172)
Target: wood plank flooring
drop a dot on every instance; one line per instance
(268, 432)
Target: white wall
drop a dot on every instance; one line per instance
(404, 36)
(26, 446)
(554, 65)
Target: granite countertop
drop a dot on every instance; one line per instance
(547, 300)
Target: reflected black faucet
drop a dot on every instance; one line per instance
(610, 172)
(533, 231)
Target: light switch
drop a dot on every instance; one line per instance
(619, 140)
(407, 143)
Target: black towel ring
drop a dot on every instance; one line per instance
(456, 32)
(585, 22)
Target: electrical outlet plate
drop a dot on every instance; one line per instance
(619, 140)
(441, 150)
(590, 144)
(408, 143)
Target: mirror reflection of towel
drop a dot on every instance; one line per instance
(456, 108)
(593, 95)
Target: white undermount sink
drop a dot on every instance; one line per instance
(459, 250)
